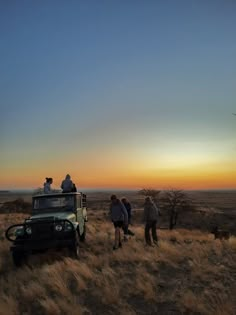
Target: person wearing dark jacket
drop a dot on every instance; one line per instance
(151, 213)
(127, 205)
(119, 217)
(67, 184)
(128, 208)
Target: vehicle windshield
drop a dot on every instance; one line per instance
(55, 203)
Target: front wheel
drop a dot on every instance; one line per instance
(18, 258)
(74, 249)
(83, 235)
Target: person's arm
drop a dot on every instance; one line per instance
(145, 214)
(110, 211)
(157, 209)
(129, 212)
(124, 211)
(129, 207)
(62, 184)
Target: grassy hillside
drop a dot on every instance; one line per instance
(189, 273)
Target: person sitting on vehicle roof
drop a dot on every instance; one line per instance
(47, 185)
(67, 184)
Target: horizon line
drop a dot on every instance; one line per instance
(97, 189)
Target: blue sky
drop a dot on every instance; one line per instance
(90, 81)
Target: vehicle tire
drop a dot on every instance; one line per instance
(83, 236)
(74, 249)
(18, 258)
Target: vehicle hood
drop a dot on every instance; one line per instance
(59, 215)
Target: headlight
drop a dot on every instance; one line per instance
(58, 227)
(68, 226)
(28, 230)
(19, 231)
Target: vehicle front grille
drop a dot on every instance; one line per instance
(42, 231)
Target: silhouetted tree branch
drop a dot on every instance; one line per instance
(151, 193)
(175, 200)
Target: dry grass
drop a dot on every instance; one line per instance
(189, 273)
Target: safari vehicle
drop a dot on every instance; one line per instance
(58, 221)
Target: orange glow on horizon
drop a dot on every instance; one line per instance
(204, 178)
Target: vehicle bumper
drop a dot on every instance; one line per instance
(42, 245)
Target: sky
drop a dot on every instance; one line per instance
(119, 94)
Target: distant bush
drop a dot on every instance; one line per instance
(18, 206)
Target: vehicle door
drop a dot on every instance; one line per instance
(79, 213)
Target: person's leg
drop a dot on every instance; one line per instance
(154, 232)
(130, 232)
(125, 229)
(129, 218)
(120, 244)
(117, 237)
(147, 234)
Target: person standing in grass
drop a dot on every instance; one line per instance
(128, 208)
(119, 217)
(150, 218)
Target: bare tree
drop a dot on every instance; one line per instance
(151, 192)
(175, 200)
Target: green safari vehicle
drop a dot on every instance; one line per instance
(58, 221)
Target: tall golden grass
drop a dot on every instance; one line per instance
(189, 273)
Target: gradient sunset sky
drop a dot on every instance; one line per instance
(119, 94)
